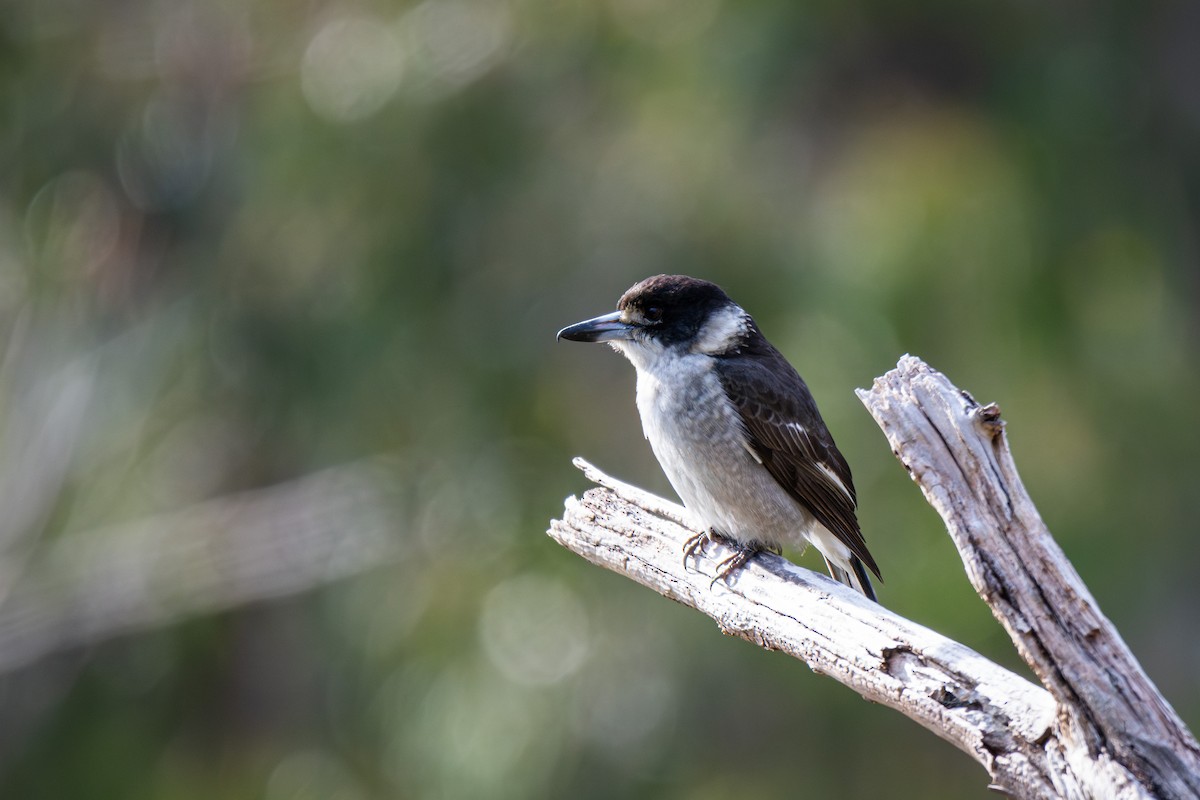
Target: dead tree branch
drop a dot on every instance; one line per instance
(1099, 729)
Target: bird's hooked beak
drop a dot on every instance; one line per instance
(605, 328)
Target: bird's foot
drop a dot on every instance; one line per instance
(728, 565)
(695, 544)
(741, 554)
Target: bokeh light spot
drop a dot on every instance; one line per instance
(311, 775)
(351, 68)
(166, 159)
(534, 630)
(624, 704)
(456, 41)
(72, 223)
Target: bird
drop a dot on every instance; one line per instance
(734, 428)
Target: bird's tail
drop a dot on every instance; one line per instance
(856, 577)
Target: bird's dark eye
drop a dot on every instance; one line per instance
(653, 314)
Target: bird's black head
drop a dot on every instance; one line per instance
(666, 310)
(674, 307)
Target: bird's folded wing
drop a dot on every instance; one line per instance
(787, 434)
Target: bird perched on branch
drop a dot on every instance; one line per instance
(734, 427)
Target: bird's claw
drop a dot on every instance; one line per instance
(727, 566)
(742, 553)
(694, 544)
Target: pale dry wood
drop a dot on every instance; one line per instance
(1031, 741)
(956, 450)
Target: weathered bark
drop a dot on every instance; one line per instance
(1099, 729)
(957, 452)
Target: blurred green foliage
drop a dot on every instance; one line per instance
(315, 232)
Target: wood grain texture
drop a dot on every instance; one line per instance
(1099, 728)
(956, 451)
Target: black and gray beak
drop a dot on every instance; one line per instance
(605, 328)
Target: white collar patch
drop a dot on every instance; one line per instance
(723, 331)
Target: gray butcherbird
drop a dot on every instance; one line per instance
(734, 426)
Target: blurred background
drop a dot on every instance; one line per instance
(283, 420)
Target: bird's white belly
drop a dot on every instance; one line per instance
(698, 439)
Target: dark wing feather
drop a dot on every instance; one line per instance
(787, 433)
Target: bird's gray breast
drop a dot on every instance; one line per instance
(699, 440)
